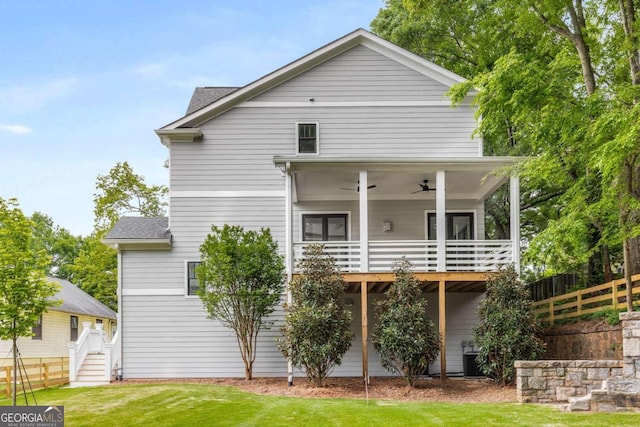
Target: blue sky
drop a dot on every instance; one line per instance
(83, 84)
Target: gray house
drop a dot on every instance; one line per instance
(355, 145)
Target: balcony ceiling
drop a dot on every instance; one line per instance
(393, 185)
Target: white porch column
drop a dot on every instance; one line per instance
(288, 257)
(514, 204)
(441, 221)
(363, 184)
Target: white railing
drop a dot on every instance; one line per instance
(78, 351)
(422, 254)
(346, 254)
(478, 255)
(462, 255)
(111, 356)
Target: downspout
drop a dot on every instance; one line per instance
(119, 314)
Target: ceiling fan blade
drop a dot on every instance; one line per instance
(417, 191)
(371, 186)
(350, 189)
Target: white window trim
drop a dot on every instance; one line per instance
(186, 278)
(298, 153)
(433, 211)
(301, 225)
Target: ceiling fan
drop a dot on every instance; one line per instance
(369, 187)
(424, 186)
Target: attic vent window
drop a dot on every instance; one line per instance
(307, 137)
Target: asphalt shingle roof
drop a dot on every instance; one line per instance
(75, 300)
(138, 228)
(203, 96)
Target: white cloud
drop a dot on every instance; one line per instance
(27, 98)
(16, 129)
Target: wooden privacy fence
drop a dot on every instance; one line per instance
(36, 375)
(611, 295)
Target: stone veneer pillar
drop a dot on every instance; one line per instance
(631, 344)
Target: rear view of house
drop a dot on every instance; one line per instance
(355, 145)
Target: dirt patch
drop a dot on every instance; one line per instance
(432, 390)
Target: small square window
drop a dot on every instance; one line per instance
(192, 280)
(307, 136)
(73, 328)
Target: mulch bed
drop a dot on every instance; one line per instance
(432, 390)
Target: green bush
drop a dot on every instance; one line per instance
(508, 330)
(406, 340)
(316, 326)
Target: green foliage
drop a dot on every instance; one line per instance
(58, 243)
(507, 330)
(404, 337)
(241, 281)
(122, 192)
(25, 293)
(95, 271)
(316, 326)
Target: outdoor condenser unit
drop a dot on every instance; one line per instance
(471, 368)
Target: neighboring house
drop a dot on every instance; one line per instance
(61, 325)
(294, 151)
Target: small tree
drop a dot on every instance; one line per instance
(24, 290)
(406, 340)
(241, 280)
(508, 330)
(316, 326)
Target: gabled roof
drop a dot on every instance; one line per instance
(76, 301)
(139, 232)
(313, 59)
(203, 96)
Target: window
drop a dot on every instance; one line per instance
(307, 138)
(73, 328)
(192, 280)
(324, 227)
(36, 329)
(459, 226)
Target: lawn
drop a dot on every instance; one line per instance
(211, 405)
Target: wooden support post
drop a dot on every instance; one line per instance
(551, 312)
(614, 294)
(364, 293)
(579, 303)
(443, 331)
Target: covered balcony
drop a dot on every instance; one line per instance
(370, 212)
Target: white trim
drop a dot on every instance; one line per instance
(185, 291)
(441, 221)
(297, 140)
(301, 226)
(299, 104)
(471, 211)
(514, 207)
(226, 194)
(153, 292)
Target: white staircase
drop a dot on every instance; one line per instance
(91, 371)
(92, 360)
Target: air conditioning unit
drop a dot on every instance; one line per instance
(471, 368)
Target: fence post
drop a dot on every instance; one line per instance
(551, 313)
(614, 294)
(7, 371)
(579, 303)
(46, 375)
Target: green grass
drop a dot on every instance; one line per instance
(204, 405)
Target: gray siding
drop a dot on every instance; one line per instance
(238, 147)
(357, 75)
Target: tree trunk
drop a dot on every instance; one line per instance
(606, 261)
(15, 366)
(634, 256)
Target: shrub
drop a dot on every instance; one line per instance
(316, 326)
(508, 330)
(406, 340)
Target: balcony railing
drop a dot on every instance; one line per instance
(461, 255)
